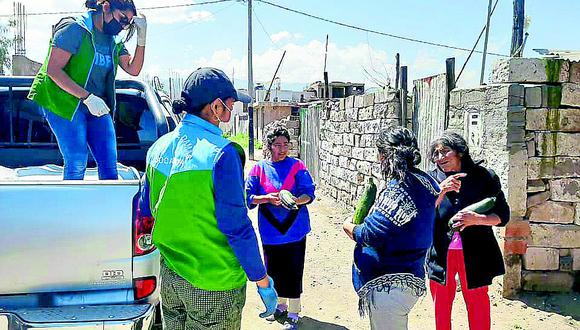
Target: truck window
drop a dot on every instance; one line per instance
(22, 121)
(134, 123)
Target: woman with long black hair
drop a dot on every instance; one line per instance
(76, 84)
(392, 242)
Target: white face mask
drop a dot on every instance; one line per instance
(215, 114)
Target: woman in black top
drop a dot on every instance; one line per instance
(472, 251)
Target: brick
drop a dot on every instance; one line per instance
(517, 228)
(342, 104)
(349, 103)
(557, 144)
(565, 190)
(517, 182)
(554, 236)
(541, 259)
(574, 76)
(561, 120)
(369, 100)
(553, 167)
(537, 199)
(536, 96)
(571, 94)
(535, 186)
(530, 70)
(512, 280)
(515, 246)
(552, 212)
(575, 259)
(359, 101)
(547, 281)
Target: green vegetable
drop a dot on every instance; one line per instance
(365, 203)
(287, 200)
(480, 207)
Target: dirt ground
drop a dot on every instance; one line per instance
(329, 301)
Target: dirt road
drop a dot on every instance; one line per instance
(329, 301)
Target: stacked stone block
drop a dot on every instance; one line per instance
(551, 261)
(348, 130)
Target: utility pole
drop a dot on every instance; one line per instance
(518, 28)
(485, 44)
(326, 85)
(250, 85)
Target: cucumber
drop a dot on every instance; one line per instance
(365, 203)
(480, 207)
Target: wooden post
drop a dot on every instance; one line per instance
(403, 94)
(485, 44)
(450, 77)
(518, 28)
(397, 70)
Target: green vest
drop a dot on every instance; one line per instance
(180, 168)
(50, 96)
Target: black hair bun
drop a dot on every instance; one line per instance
(91, 4)
(179, 106)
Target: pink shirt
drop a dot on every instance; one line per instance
(456, 242)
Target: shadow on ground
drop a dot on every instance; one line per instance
(307, 323)
(565, 304)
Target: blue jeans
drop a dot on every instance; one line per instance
(73, 137)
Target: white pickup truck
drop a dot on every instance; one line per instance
(75, 254)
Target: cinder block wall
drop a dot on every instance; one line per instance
(526, 125)
(348, 130)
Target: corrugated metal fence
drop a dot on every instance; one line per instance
(429, 113)
(310, 138)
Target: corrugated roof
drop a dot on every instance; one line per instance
(570, 55)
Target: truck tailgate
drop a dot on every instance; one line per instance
(66, 236)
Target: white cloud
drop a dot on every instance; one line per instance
(178, 15)
(303, 64)
(282, 35)
(173, 15)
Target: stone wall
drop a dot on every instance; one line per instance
(526, 126)
(292, 124)
(552, 260)
(348, 129)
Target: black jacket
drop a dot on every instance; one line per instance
(482, 256)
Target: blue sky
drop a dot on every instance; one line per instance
(182, 39)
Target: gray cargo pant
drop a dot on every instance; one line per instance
(185, 307)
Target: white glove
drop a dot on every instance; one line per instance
(141, 25)
(97, 107)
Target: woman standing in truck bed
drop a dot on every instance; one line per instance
(76, 84)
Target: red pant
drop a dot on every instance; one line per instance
(477, 300)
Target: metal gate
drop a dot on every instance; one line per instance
(429, 113)
(310, 139)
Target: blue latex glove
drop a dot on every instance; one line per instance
(269, 298)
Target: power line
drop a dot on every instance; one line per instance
(265, 31)
(374, 31)
(144, 8)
